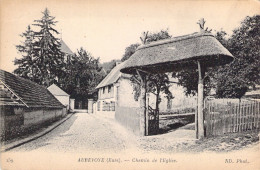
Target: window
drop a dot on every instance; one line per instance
(104, 90)
(109, 88)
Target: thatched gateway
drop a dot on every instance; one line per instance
(197, 50)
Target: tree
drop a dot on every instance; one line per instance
(26, 64)
(161, 35)
(231, 80)
(188, 78)
(42, 60)
(108, 66)
(47, 49)
(129, 51)
(83, 74)
(234, 79)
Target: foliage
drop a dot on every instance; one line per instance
(232, 80)
(235, 79)
(50, 59)
(26, 65)
(188, 78)
(161, 35)
(108, 66)
(129, 51)
(42, 60)
(83, 75)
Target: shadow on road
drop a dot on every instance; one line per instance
(171, 123)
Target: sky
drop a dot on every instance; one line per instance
(105, 28)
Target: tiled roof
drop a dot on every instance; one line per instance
(112, 77)
(65, 48)
(56, 91)
(30, 93)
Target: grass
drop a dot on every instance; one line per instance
(224, 143)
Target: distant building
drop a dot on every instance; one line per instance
(65, 48)
(253, 93)
(25, 105)
(61, 95)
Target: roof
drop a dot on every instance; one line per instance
(65, 48)
(178, 52)
(56, 91)
(28, 92)
(8, 98)
(253, 93)
(112, 77)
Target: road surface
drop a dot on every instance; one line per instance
(90, 133)
(83, 133)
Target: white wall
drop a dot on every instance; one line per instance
(65, 100)
(125, 95)
(72, 104)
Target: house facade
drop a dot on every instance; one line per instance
(110, 90)
(25, 105)
(116, 100)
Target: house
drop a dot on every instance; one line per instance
(116, 99)
(25, 105)
(61, 95)
(111, 91)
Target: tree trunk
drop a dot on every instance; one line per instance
(157, 112)
(142, 103)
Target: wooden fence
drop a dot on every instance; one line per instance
(231, 117)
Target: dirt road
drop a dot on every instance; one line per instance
(88, 133)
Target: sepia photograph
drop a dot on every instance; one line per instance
(121, 84)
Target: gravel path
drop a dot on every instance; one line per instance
(82, 133)
(90, 133)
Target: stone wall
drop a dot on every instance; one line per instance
(38, 116)
(17, 121)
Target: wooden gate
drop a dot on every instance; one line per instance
(153, 121)
(227, 117)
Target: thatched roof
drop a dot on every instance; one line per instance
(177, 53)
(28, 92)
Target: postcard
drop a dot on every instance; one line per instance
(160, 84)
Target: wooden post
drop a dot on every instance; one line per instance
(196, 120)
(200, 102)
(142, 103)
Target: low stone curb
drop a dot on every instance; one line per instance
(15, 144)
